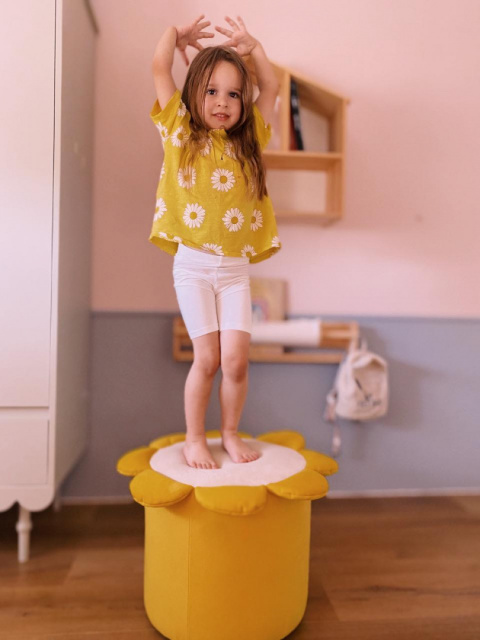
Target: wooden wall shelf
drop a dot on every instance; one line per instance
(337, 337)
(331, 106)
(301, 160)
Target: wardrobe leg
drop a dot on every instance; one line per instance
(57, 501)
(24, 526)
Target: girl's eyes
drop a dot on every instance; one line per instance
(234, 93)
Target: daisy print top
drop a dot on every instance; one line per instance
(206, 207)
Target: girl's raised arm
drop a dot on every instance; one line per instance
(162, 66)
(268, 84)
(162, 63)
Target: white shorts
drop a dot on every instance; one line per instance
(213, 291)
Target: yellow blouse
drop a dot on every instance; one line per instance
(206, 207)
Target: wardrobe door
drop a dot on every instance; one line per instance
(27, 41)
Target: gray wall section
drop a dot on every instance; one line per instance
(429, 440)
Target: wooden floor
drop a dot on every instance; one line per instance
(381, 569)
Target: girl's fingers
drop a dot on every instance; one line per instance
(199, 18)
(241, 22)
(226, 32)
(230, 21)
(203, 25)
(205, 34)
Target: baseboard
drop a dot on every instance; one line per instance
(93, 500)
(405, 493)
(334, 495)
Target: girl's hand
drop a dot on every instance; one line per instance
(239, 37)
(189, 35)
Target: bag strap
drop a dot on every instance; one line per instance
(330, 415)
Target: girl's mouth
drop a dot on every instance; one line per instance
(220, 116)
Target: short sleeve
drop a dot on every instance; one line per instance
(263, 131)
(173, 115)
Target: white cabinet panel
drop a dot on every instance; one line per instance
(23, 451)
(26, 199)
(47, 57)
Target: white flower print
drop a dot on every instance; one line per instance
(257, 220)
(182, 109)
(163, 132)
(233, 219)
(168, 236)
(248, 251)
(207, 148)
(222, 179)
(228, 149)
(179, 137)
(275, 241)
(160, 209)
(187, 177)
(162, 172)
(216, 248)
(194, 215)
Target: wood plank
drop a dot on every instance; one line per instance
(396, 568)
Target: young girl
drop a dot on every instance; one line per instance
(213, 213)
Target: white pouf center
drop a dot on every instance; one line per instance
(274, 464)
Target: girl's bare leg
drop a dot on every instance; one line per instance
(234, 347)
(198, 387)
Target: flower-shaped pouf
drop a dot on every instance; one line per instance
(210, 574)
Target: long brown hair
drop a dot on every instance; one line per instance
(242, 134)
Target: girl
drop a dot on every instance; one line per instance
(214, 214)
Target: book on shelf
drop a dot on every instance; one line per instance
(296, 130)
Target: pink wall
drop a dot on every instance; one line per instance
(408, 244)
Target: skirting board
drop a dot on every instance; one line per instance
(333, 495)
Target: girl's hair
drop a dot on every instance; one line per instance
(242, 134)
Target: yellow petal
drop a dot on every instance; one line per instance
(152, 489)
(319, 462)
(213, 433)
(166, 441)
(135, 461)
(305, 485)
(233, 501)
(291, 439)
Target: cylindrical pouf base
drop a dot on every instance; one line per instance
(210, 576)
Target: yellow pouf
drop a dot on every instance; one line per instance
(227, 550)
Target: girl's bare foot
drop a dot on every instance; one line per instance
(197, 454)
(237, 449)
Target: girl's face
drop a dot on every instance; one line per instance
(223, 96)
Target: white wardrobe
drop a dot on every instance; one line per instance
(46, 134)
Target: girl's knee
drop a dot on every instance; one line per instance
(235, 368)
(207, 363)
